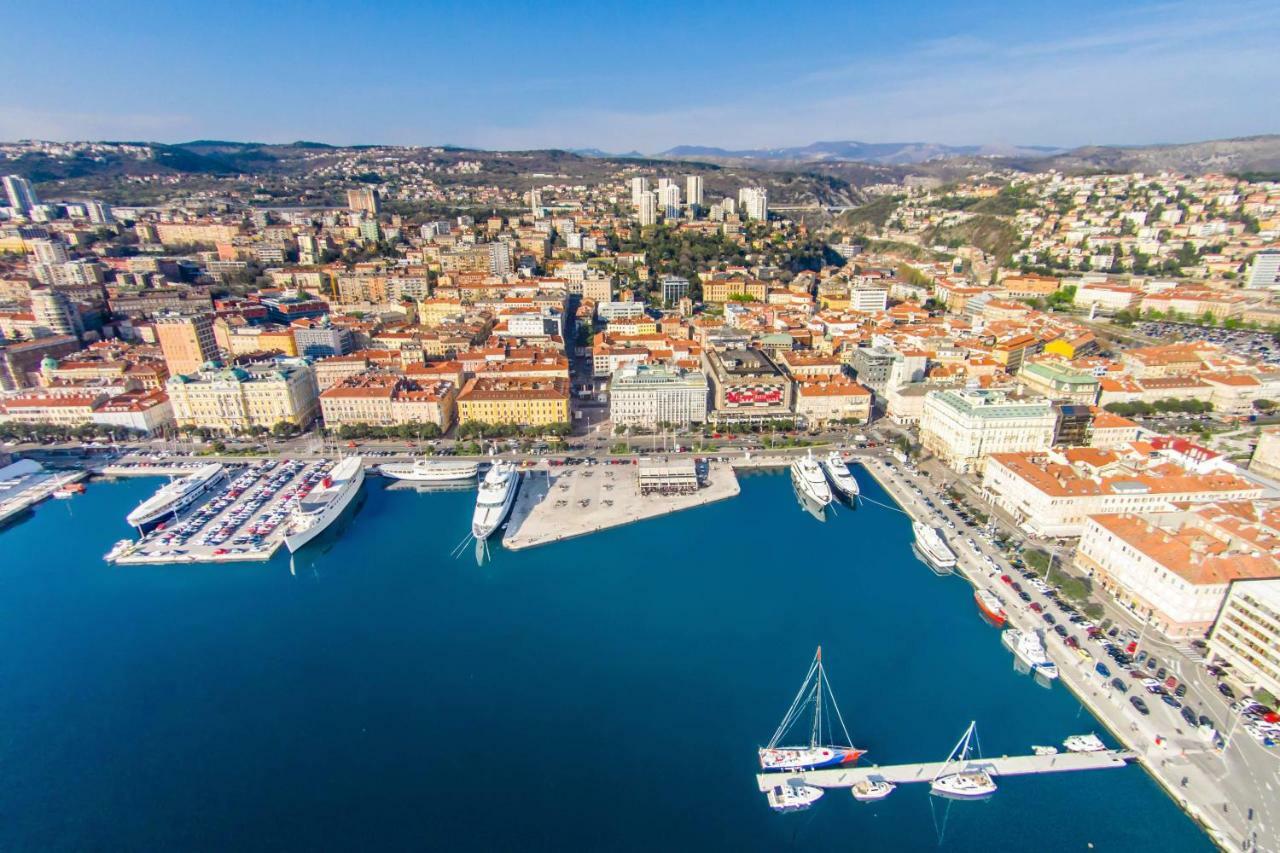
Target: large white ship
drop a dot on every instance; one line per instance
(173, 498)
(431, 470)
(1028, 648)
(809, 481)
(324, 503)
(838, 472)
(933, 549)
(497, 492)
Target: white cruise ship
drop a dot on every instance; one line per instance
(497, 492)
(431, 470)
(810, 482)
(175, 497)
(324, 503)
(933, 549)
(1029, 648)
(838, 472)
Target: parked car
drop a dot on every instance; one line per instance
(1137, 702)
(1118, 684)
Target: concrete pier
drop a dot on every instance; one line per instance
(902, 774)
(561, 503)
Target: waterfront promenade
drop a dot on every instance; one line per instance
(563, 503)
(1235, 798)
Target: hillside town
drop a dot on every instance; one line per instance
(1103, 381)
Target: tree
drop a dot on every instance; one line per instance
(1264, 405)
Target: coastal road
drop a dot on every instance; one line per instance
(1235, 791)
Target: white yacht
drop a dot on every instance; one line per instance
(431, 470)
(174, 497)
(838, 472)
(1084, 743)
(497, 492)
(810, 482)
(1029, 648)
(932, 548)
(792, 795)
(968, 781)
(323, 504)
(870, 790)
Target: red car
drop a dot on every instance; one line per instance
(1035, 605)
(1006, 579)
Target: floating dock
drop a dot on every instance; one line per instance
(556, 503)
(265, 495)
(901, 774)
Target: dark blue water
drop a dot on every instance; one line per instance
(602, 693)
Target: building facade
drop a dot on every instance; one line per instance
(648, 395)
(963, 427)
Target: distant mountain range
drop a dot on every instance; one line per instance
(895, 153)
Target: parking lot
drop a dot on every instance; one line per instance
(1253, 345)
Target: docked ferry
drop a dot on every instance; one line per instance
(841, 478)
(1029, 648)
(431, 470)
(932, 548)
(497, 493)
(991, 606)
(175, 497)
(323, 504)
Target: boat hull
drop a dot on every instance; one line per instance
(957, 788)
(806, 758)
(1046, 668)
(484, 526)
(414, 474)
(991, 610)
(149, 521)
(792, 796)
(327, 516)
(869, 792)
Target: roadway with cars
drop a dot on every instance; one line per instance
(1234, 789)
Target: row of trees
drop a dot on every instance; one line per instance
(411, 431)
(1167, 406)
(481, 429)
(56, 432)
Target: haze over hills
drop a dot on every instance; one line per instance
(867, 152)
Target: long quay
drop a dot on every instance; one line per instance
(1008, 765)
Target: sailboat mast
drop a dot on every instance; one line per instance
(817, 702)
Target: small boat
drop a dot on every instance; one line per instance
(1084, 743)
(969, 782)
(869, 790)
(838, 473)
(793, 795)
(119, 549)
(68, 490)
(1029, 648)
(991, 606)
(813, 693)
(1044, 750)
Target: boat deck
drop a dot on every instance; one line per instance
(1007, 765)
(151, 550)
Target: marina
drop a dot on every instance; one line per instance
(247, 517)
(24, 483)
(926, 772)
(357, 653)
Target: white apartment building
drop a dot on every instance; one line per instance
(647, 395)
(964, 427)
(1265, 270)
(1052, 494)
(647, 209)
(1247, 633)
(754, 202)
(1172, 569)
(693, 190)
(639, 189)
(868, 298)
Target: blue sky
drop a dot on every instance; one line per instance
(642, 76)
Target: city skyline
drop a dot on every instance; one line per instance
(500, 79)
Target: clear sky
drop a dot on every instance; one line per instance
(645, 76)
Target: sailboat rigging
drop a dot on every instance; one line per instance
(823, 750)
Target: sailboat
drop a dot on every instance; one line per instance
(820, 752)
(964, 781)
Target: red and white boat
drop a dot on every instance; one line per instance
(820, 752)
(991, 606)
